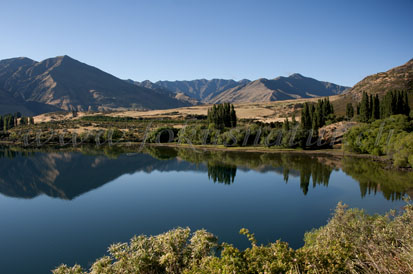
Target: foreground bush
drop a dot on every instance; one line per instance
(351, 242)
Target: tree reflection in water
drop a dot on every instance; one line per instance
(68, 173)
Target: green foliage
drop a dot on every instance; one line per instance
(380, 137)
(222, 115)
(351, 242)
(9, 121)
(349, 111)
(112, 134)
(395, 102)
(314, 117)
(365, 111)
(198, 135)
(24, 120)
(402, 150)
(318, 115)
(163, 135)
(103, 118)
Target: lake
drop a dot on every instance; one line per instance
(67, 206)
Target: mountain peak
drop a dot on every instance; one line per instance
(296, 76)
(65, 58)
(19, 61)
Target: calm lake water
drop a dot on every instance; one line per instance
(68, 207)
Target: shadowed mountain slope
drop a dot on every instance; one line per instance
(67, 84)
(281, 88)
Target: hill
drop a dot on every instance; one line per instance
(295, 86)
(398, 78)
(65, 83)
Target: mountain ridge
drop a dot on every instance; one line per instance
(68, 84)
(63, 83)
(295, 86)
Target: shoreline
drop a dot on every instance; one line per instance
(248, 149)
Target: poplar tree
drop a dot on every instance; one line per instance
(364, 108)
(349, 111)
(375, 112)
(222, 115)
(233, 117)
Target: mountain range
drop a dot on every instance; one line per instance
(63, 83)
(245, 91)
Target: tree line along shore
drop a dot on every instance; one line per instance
(375, 127)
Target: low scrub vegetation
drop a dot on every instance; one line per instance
(351, 242)
(391, 136)
(104, 118)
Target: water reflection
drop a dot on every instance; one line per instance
(68, 174)
(222, 173)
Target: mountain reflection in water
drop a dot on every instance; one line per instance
(67, 174)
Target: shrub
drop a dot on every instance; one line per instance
(379, 137)
(163, 135)
(351, 242)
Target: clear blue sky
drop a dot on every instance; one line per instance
(338, 41)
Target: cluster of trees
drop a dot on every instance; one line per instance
(334, 248)
(26, 120)
(104, 118)
(222, 115)
(372, 108)
(349, 111)
(316, 116)
(9, 121)
(286, 134)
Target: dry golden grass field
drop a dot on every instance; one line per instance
(265, 112)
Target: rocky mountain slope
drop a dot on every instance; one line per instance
(201, 89)
(398, 78)
(281, 88)
(177, 95)
(65, 83)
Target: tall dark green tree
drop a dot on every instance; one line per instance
(364, 108)
(233, 116)
(286, 125)
(349, 111)
(394, 102)
(406, 108)
(375, 108)
(371, 106)
(293, 120)
(23, 120)
(306, 121)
